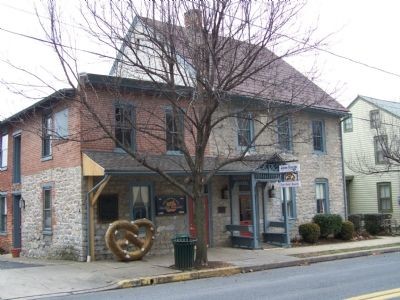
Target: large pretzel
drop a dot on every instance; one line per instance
(123, 240)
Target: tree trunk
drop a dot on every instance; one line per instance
(199, 220)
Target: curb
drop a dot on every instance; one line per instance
(229, 271)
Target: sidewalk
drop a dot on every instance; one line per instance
(31, 278)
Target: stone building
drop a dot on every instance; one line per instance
(65, 176)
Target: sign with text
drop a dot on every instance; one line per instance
(290, 176)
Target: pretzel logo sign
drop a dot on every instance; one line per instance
(130, 240)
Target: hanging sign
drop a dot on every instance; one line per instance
(290, 175)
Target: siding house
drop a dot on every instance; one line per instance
(372, 186)
(63, 180)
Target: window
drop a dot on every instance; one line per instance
(125, 124)
(3, 213)
(174, 130)
(380, 142)
(289, 195)
(321, 196)
(17, 159)
(348, 124)
(318, 134)
(47, 197)
(61, 124)
(384, 190)
(3, 150)
(141, 205)
(47, 135)
(284, 133)
(245, 129)
(108, 208)
(374, 118)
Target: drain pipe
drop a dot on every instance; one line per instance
(343, 172)
(88, 257)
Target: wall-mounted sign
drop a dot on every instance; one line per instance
(170, 205)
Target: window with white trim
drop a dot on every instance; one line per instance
(174, 130)
(3, 151)
(384, 190)
(245, 130)
(47, 133)
(289, 195)
(348, 124)
(322, 196)
(125, 124)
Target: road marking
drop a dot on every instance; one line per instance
(388, 294)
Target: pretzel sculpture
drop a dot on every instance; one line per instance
(130, 241)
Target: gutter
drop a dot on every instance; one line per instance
(343, 175)
(88, 257)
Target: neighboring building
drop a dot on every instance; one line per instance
(64, 181)
(372, 121)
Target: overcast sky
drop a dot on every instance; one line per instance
(364, 34)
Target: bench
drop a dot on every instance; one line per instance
(241, 236)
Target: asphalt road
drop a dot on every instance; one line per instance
(329, 280)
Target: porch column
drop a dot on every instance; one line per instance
(255, 215)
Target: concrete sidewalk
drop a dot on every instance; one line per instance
(32, 278)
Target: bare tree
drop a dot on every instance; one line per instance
(210, 61)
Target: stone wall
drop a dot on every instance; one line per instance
(65, 241)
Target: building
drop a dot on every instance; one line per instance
(372, 181)
(66, 178)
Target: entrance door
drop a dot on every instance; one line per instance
(245, 212)
(192, 226)
(16, 221)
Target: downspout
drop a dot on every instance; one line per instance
(343, 175)
(88, 257)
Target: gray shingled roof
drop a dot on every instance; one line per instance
(114, 162)
(390, 106)
(280, 82)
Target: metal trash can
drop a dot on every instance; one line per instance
(184, 251)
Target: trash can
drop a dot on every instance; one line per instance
(184, 251)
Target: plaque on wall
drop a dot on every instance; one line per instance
(171, 205)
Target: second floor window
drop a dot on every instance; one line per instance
(47, 132)
(3, 150)
(348, 124)
(380, 143)
(318, 135)
(174, 133)
(245, 130)
(374, 118)
(284, 133)
(125, 125)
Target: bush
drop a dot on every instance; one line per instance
(357, 221)
(373, 223)
(310, 232)
(328, 223)
(347, 231)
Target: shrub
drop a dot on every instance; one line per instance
(328, 223)
(373, 223)
(356, 220)
(347, 231)
(310, 232)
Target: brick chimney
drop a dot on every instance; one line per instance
(193, 19)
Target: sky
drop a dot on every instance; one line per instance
(362, 41)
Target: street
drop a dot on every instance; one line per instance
(338, 279)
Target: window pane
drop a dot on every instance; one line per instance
(47, 209)
(317, 131)
(124, 124)
(284, 135)
(244, 129)
(4, 150)
(47, 219)
(174, 130)
(61, 123)
(319, 191)
(3, 214)
(385, 204)
(47, 199)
